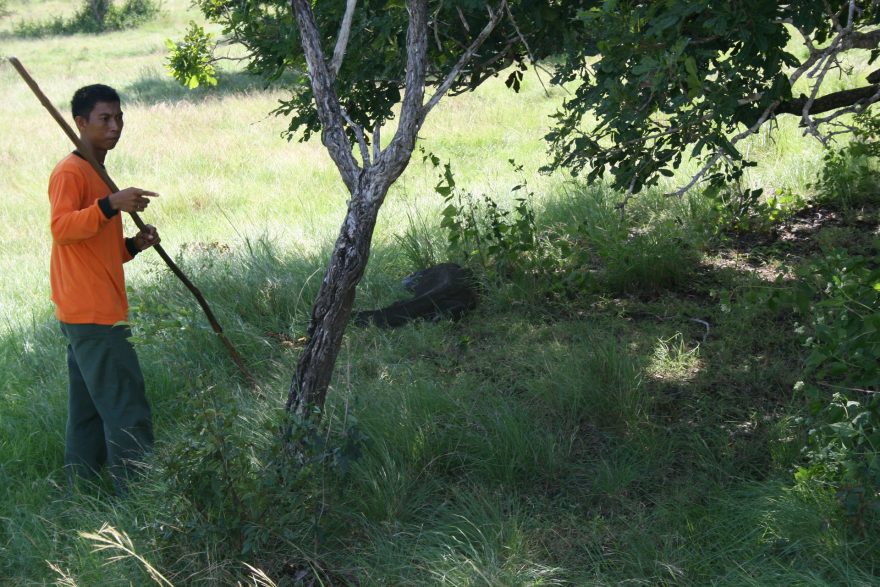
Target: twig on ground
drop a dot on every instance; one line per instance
(704, 323)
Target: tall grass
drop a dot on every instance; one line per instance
(607, 440)
(500, 451)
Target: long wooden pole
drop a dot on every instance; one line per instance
(87, 153)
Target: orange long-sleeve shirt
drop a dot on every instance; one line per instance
(88, 249)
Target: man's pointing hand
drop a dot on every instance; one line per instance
(131, 199)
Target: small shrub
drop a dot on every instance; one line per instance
(505, 244)
(648, 261)
(600, 253)
(673, 359)
(45, 28)
(849, 176)
(742, 210)
(642, 253)
(839, 299)
(131, 14)
(599, 384)
(93, 17)
(235, 478)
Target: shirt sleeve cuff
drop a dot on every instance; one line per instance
(131, 247)
(106, 208)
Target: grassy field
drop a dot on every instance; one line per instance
(641, 434)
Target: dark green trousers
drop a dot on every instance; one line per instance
(108, 417)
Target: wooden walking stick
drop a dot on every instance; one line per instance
(89, 156)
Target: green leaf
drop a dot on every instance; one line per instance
(843, 429)
(690, 65)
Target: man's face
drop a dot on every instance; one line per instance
(103, 127)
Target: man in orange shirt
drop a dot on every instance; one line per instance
(109, 419)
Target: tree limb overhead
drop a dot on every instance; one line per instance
(828, 102)
(342, 39)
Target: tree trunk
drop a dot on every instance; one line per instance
(368, 185)
(99, 10)
(332, 307)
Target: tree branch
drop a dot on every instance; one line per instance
(342, 39)
(824, 66)
(806, 106)
(828, 102)
(808, 40)
(857, 107)
(483, 70)
(520, 35)
(377, 140)
(529, 52)
(359, 135)
(816, 57)
(464, 21)
(768, 112)
(860, 40)
(399, 150)
(806, 118)
(326, 101)
(436, 21)
(466, 57)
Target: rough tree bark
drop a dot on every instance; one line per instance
(367, 183)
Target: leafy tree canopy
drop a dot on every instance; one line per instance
(370, 80)
(662, 79)
(654, 81)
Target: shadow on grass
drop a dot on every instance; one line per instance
(155, 88)
(540, 431)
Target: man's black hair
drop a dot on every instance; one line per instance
(85, 98)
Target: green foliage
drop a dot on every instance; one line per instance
(607, 253)
(231, 478)
(647, 261)
(842, 374)
(849, 176)
(213, 475)
(673, 357)
(507, 449)
(598, 252)
(839, 299)
(664, 79)
(190, 61)
(130, 14)
(371, 80)
(504, 242)
(866, 134)
(93, 18)
(502, 447)
(420, 245)
(746, 210)
(505, 245)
